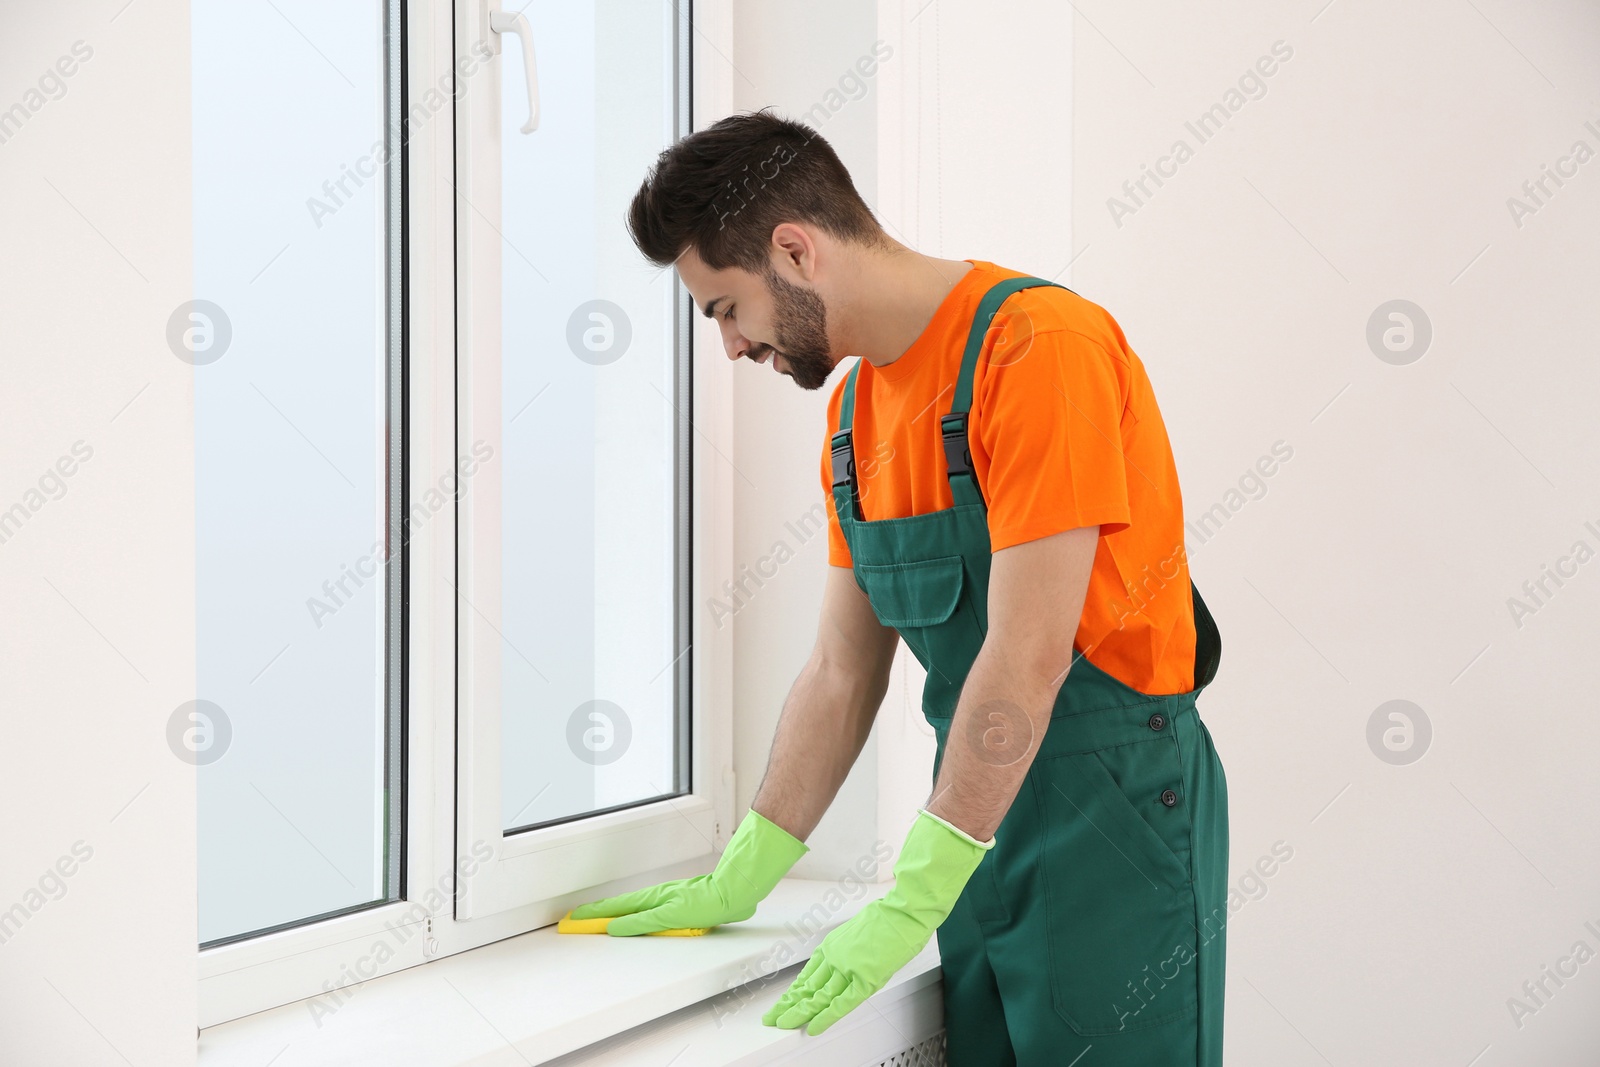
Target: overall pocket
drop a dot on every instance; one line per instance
(920, 599)
(1119, 900)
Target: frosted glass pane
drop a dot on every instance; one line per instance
(588, 712)
(290, 462)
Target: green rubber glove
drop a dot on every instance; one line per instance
(860, 956)
(755, 861)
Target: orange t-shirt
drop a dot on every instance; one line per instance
(1064, 432)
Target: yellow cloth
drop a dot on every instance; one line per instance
(569, 925)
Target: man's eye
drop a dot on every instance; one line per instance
(729, 316)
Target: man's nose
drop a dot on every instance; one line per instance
(734, 342)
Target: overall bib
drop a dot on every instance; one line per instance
(1097, 921)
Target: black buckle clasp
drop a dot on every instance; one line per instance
(957, 456)
(844, 468)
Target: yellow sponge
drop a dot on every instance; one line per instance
(569, 925)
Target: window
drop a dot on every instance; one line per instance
(444, 453)
(588, 527)
(295, 340)
(574, 606)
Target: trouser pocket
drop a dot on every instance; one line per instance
(1119, 896)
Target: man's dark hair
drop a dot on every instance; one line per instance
(722, 190)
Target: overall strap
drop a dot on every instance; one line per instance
(844, 460)
(953, 426)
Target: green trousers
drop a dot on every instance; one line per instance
(1095, 930)
(1098, 921)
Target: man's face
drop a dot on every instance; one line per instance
(764, 318)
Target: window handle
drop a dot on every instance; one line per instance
(503, 22)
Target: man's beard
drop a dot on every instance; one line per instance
(800, 321)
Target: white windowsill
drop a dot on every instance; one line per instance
(549, 995)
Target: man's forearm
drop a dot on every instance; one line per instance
(824, 723)
(1002, 715)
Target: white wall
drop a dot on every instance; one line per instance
(1378, 565)
(793, 57)
(97, 633)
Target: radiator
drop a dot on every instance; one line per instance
(929, 1053)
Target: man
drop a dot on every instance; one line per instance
(1002, 495)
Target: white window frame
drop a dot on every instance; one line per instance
(537, 867)
(451, 803)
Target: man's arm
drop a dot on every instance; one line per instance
(829, 710)
(1036, 594)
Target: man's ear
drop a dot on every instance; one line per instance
(794, 252)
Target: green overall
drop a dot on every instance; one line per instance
(1098, 919)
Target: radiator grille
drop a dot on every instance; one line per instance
(929, 1053)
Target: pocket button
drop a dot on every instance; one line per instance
(1169, 798)
(1157, 721)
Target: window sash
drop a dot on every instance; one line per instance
(537, 866)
